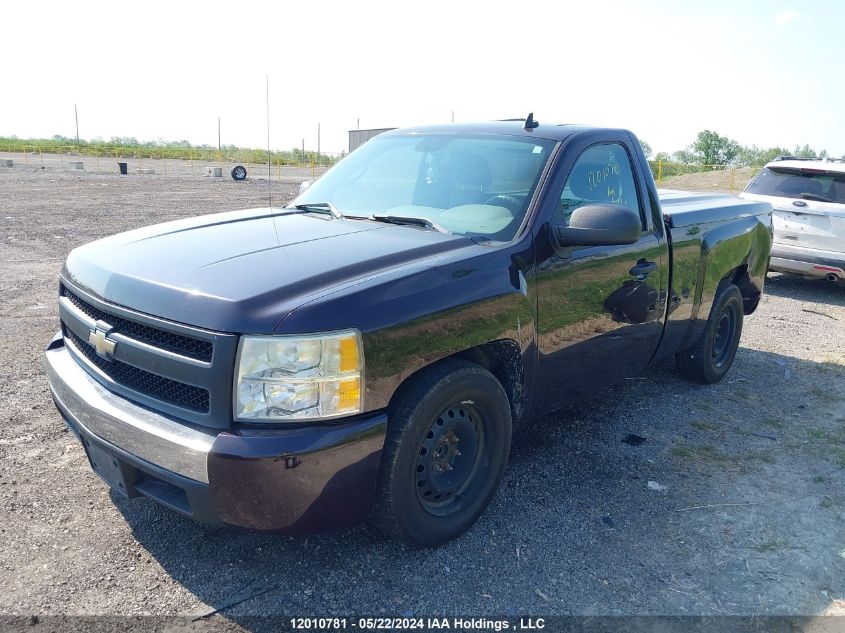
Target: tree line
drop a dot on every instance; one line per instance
(710, 148)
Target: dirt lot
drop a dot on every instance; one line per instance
(750, 520)
(75, 163)
(730, 180)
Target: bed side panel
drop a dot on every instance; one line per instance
(704, 254)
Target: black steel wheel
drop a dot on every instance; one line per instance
(449, 459)
(723, 337)
(713, 354)
(239, 172)
(446, 449)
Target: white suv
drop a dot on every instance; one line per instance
(808, 197)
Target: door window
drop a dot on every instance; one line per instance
(601, 174)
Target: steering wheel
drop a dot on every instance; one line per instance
(511, 203)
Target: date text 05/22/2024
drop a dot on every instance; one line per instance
(415, 623)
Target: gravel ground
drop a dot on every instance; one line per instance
(749, 522)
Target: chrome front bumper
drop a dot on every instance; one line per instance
(292, 481)
(152, 437)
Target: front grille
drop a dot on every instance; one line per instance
(176, 343)
(178, 393)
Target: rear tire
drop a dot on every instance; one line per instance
(239, 172)
(446, 449)
(713, 354)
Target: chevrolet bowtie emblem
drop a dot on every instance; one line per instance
(97, 338)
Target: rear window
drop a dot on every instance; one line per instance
(822, 186)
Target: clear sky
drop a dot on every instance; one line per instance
(761, 72)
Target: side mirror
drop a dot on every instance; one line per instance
(600, 225)
(304, 186)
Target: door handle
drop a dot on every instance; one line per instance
(642, 269)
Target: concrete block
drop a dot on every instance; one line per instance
(6, 162)
(76, 164)
(146, 171)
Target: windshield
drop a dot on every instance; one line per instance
(802, 184)
(470, 185)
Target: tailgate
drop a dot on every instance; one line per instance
(812, 226)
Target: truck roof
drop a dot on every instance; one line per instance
(548, 131)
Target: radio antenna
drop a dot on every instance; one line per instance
(269, 173)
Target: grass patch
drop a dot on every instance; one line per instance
(129, 146)
(767, 457)
(831, 437)
(705, 426)
(772, 545)
(774, 423)
(819, 479)
(705, 453)
(822, 394)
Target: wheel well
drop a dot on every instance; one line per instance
(740, 278)
(501, 358)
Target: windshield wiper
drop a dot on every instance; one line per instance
(409, 219)
(320, 207)
(817, 198)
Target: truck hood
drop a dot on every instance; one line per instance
(244, 271)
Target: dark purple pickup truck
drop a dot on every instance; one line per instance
(363, 353)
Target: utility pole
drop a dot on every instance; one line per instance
(318, 140)
(76, 116)
(453, 116)
(358, 125)
(269, 172)
(303, 147)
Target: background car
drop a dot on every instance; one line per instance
(808, 197)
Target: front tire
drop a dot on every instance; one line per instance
(713, 354)
(446, 449)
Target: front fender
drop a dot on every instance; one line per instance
(412, 319)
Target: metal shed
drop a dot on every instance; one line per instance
(359, 137)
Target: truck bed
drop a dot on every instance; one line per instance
(684, 208)
(710, 233)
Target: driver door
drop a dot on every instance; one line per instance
(600, 313)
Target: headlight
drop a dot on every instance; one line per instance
(281, 378)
